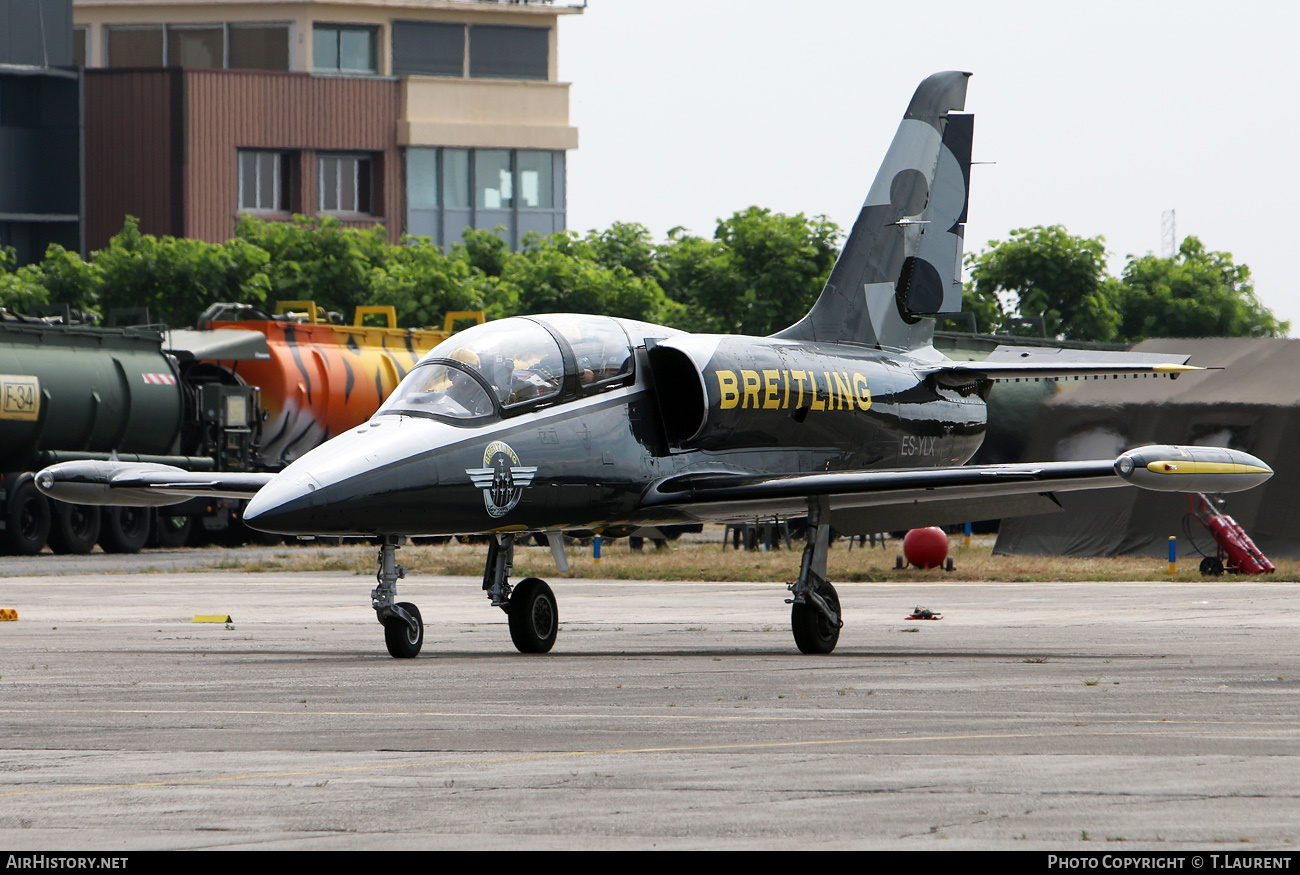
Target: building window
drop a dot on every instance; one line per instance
(449, 190)
(345, 183)
(425, 48)
(265, 181)
(455, 177)
(257, 46)
(196, 46)
(504, 52)
(536, 180)
(494, 187)
(248, 47)
(422, 178)
(135, 47)
(80, 35)
(341, 48)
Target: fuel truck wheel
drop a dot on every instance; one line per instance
(74, 528)
(27, 518)
(171, 531)
(534, 617)
(125, 529)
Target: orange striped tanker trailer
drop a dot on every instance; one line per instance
(319, 379)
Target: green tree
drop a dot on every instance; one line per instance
(422, 283)
(1198, 293)
(761, 272)
(627, 245)
(1051, 274)
(69, 280)
(20, 289)
(177, 278)
(318, 259)
(485, 251)
(562, 273)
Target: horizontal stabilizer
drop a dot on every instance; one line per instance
(1030, 362)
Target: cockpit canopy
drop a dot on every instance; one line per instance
(512, 365)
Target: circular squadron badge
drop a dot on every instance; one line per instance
(501, 478)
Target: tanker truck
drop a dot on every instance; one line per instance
(247, 391)
(72, 392)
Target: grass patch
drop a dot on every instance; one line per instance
(707, 561)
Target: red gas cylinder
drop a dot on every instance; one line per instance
(925, 548)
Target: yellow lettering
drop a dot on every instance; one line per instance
(863, 391)
(728, 389)
(842, 390)
(785, 402)
(769, 390)
(751, 381)
(799, 377)
(816, 404)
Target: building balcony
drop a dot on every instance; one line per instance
(485, 113)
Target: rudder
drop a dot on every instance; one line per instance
(902, 260)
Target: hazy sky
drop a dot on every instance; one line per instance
(1100, 116)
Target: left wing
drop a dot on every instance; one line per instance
(905, 498)
(142, 484)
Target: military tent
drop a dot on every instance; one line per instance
(1253, 404)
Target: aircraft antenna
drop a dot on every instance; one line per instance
(1168, 234)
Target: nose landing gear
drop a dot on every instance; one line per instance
(403, 626)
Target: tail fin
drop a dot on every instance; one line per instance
(902, 260)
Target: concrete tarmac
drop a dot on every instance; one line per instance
(1092, 717)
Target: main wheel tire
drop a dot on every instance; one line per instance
(74, 528)
(813, 633)
(125, 529)
(403, 641)
(534, 616)
(1211, 566)
(27, 518)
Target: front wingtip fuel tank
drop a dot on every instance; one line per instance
(1168, 468)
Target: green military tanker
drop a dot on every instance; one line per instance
(74, 392)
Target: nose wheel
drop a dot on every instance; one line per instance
(403, 626)
(404, 635)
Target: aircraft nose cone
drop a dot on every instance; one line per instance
(283, 506)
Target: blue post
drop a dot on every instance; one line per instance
(1173, 554)
(968, 534)
(595, 548)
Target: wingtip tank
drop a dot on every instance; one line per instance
(91, 482)
(1168, 468)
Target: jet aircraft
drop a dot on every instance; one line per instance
(541, 425)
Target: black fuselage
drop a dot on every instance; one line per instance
(742, 406)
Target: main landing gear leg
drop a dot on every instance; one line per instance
(530, 606)
(403, 627)
(815, 606)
